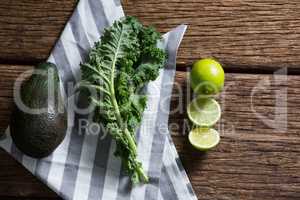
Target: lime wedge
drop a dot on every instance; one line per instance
(204, 112)
(204, 138)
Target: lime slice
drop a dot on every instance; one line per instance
(204, 112)
(204, 138)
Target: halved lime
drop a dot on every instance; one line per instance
(204, 138)
(204, 112)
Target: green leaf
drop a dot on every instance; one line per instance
(118, 67)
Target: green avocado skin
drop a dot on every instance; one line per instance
(38, 135)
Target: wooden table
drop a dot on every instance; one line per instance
(256, 159)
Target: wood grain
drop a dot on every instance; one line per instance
(244, 35)
(30, 28)
(253, 161)
(18, 183)
(248, 33)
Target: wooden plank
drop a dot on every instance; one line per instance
(16, 182)
(245, 35)
(253, 160)
(249, 33)
(30, 28)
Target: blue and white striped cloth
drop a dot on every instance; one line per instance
(83, 167)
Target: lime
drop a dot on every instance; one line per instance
(204, 112)
(204, 138)
(207, 77)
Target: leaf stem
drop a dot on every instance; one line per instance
(129, 137)
(142, 176)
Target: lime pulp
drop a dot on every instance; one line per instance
(204, 112)
(204, 138)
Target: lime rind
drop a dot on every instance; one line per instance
(204, 138)
(204, 112)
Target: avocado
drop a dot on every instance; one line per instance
(39, 125)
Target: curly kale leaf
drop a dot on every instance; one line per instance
(118, 67)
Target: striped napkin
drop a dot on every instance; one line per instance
(83, 167)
